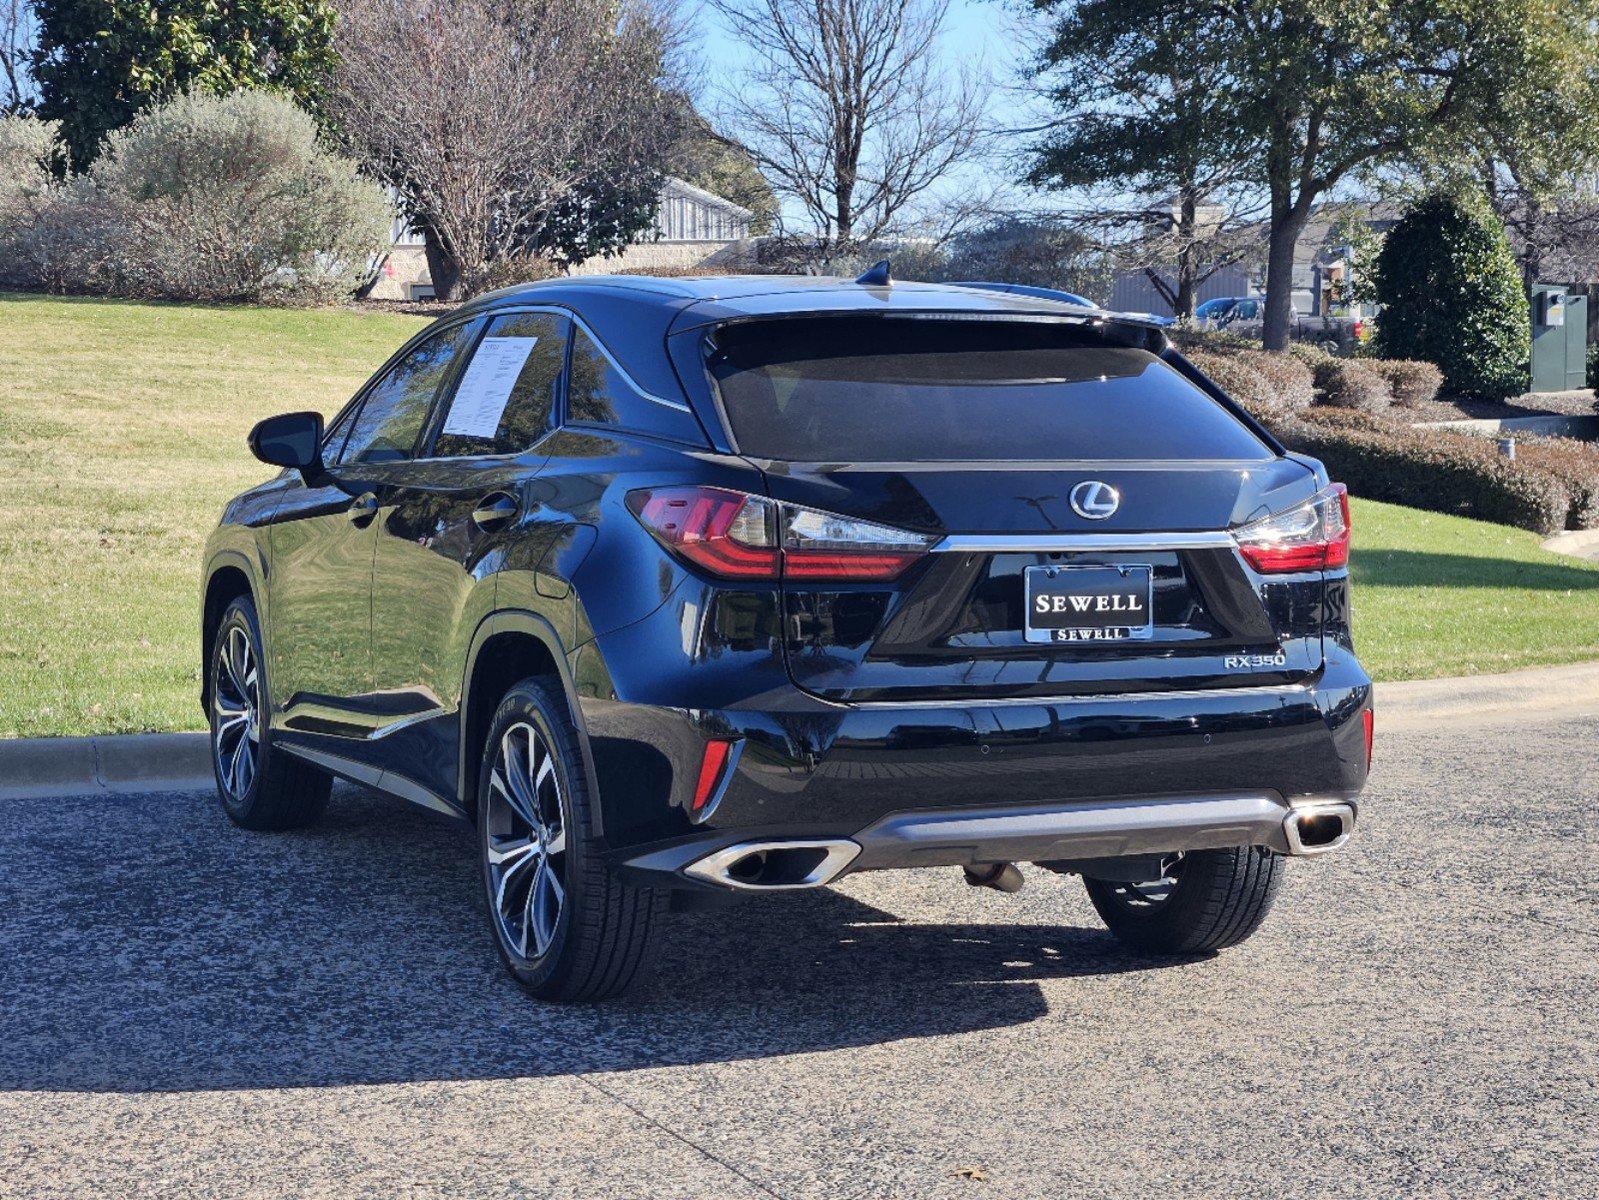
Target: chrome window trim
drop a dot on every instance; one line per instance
(617, 367)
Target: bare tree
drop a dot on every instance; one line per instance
(17, 35)
(509, 128)
(848, 108)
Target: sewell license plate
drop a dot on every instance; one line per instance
(1089, 604)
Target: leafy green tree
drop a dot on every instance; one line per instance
(1451, 294)
(99, 63)
(1146, 111)
(1329, 89)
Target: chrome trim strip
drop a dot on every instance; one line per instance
(371, 726)
(621, 370)
(1291, 691)
(713, 868)
(969, 543)
(374, 777)
(1073, 830)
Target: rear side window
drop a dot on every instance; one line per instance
(598, 393)
(505, 398)
(917, 390)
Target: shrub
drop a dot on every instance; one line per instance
(1576, 465)
(1430, 469)
(1292, 380)
(1452, 295)
(27, 188)
(27, 146)
(1188, 337)
(234, 198)
(1311, 355)
(1593, 365)
(1240, 380)
(1346, 383)
(1412, 382)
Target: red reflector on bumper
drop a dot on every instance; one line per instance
(711, 769)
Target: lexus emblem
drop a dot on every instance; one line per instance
(1095, 500)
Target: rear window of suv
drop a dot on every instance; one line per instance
(826, 389)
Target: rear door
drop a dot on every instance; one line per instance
(983, 435)
(443, 522)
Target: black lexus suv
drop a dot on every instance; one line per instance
(683, 589)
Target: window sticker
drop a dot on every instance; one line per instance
(487, 385)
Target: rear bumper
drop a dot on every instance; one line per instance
(1076, 835)
(1034, 780)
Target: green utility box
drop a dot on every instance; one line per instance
(1559, 339)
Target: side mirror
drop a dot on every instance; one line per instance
(291, 440)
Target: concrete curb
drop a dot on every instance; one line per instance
(140, 762)
(1573, 688)
(1577, 543)
(173, 762)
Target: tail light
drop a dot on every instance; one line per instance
(1367, 718)
(1312, 536)
(734, 535)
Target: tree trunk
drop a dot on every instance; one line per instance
(1287, 224)
(442, 267)
(1531, 247)
(1187, 267)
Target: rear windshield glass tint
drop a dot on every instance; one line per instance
(919, 390)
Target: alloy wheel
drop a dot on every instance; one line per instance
(236, 713)
(525, 842)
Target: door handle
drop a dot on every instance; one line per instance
(495, 512)
(362, 509)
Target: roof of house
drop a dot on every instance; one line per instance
(673, 185)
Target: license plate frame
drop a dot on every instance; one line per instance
(1093, 622)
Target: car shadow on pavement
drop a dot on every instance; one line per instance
(150, 946)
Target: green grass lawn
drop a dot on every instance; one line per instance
(1437, 595)
(122, 432)
(121, 435)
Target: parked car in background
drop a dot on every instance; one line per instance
(1247, 315)
(686, 590)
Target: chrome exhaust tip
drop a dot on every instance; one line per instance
(1319, 827)
(775, 866)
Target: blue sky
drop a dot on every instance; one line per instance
(975, 31)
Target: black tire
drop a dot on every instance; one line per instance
(1218, 898)
(600, 939)
(280, 792)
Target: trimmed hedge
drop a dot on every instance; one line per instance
(1294, 382)
(1576, 465)
(1346, 383)
(1240, 380)
(1412, 382)
(1430, 469)
(1552, 484)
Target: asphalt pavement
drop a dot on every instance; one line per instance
(190, 1010)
